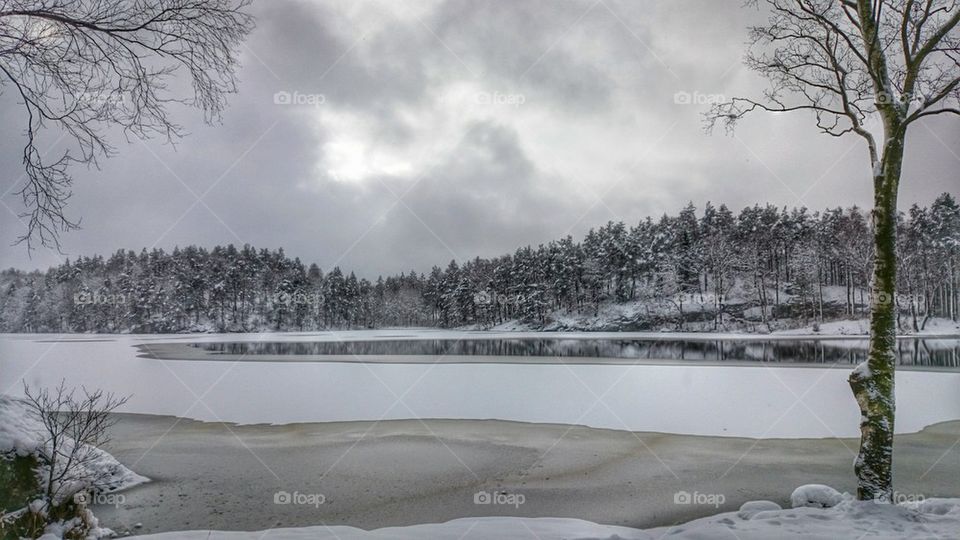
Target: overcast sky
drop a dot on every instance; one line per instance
(422, 131)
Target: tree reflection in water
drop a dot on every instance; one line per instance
(911, 351)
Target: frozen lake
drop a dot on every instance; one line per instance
(709, 398)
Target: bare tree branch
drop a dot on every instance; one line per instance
(81, 68)
(857, 65)
(74, 426)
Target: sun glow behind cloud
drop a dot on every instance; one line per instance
(352, 152)
(352, 160)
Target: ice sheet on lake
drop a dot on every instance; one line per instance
(761, 401)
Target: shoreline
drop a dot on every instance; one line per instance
(184, 352)
(212, 475)
(416, 333)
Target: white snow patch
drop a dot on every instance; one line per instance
(935, 326)
(86, 520)
(940, 326)
(816, 496)
(750, 509)
(935, 506)
(855, 327)
(862, 370)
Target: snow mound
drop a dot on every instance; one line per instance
(56, 531)
(816, 496)
(756, 520)
(752, 508)
(848, 519)
(21, 433)
(935, 506)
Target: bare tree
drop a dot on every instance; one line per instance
(83, 67)
(872, 68)
(74, 427)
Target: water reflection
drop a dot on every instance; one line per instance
(910, 352)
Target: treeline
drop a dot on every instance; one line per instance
(762, 265)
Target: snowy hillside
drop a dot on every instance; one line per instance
(760, 270)
(664, 316)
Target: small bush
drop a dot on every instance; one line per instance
(18, 476)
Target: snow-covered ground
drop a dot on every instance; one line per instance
(855, 327)
(612, 316)
(661, 315)
(756, 520)
(861, 327)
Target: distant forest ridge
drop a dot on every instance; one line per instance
(715, 269)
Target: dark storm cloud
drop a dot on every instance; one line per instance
(371, 64)
(460, 128)
(522, 49)
(486, 175)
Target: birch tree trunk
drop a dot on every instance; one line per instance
(849, 62)
(872, 382)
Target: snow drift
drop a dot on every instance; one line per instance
(756, 520)
(21, 433)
